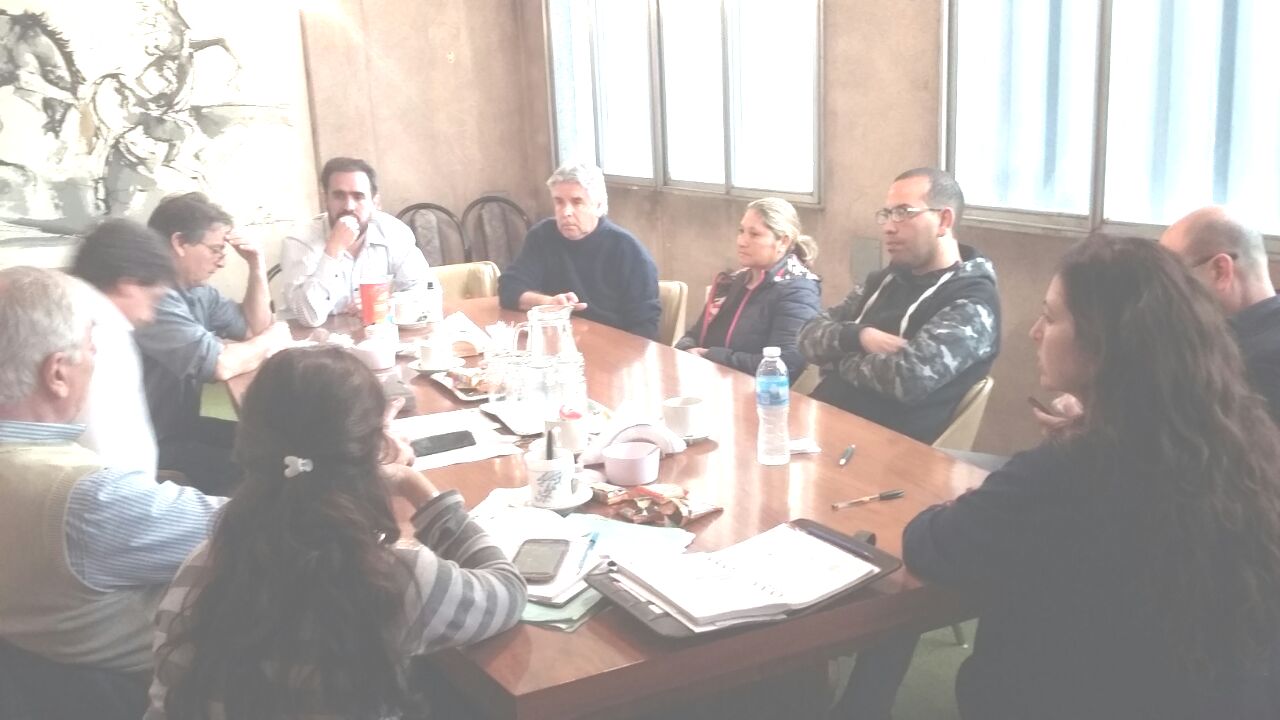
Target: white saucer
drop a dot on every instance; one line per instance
(417, 325)
(416, 366)
(691, 439)
(582, 497)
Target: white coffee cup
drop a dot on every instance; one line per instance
(552, 483)
(631, 463)
(406, 307)
(686, 416)
(572, 433)
(377, 354)
(433, 354)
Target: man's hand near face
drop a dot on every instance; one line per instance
(344, 233)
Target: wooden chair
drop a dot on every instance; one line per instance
(960, 435)
(673, 295)
(468, 280)
(494, 228)
(438, 231)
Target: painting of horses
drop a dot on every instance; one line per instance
(106, 106)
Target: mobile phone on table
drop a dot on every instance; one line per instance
(538, 561)
(433, 444)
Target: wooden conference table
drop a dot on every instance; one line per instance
(614, 667)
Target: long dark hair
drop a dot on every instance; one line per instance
(1169, 399)
(296, 611)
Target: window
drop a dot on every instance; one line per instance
(689, 93)
(1182, 93)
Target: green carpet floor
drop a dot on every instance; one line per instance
(928, 692)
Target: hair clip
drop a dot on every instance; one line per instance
(293, 465)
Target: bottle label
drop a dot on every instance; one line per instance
(773, 391)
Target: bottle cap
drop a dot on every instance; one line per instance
(772, 351)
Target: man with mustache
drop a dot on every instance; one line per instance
(323, 262)
(906, 345)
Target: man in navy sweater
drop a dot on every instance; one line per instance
(582, 259)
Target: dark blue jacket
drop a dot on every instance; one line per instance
(1257, 329)
(750, 320)
(609, 270)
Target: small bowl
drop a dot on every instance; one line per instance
(631, 463)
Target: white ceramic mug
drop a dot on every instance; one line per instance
(686, 416)
(434, 354)
(631, 463)
(571, 432)
(406, 307)
(552, 483)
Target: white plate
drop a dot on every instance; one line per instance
(582, 497)
(418, 325)
(463, 394)
(416, 366)
(691, 439)
(408, 349)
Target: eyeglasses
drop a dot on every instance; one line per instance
(900, 213)
(1210, 256)
(218, 250)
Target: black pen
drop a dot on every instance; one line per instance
(848, 453)
(886, 495)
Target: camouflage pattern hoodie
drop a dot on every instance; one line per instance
(951, 321)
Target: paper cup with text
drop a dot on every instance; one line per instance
(552, 483)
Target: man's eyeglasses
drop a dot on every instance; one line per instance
(900, 213)
(218, 250)
(1207, 258)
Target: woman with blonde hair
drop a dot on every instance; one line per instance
(768, 300)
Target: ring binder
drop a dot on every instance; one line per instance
(667, 618)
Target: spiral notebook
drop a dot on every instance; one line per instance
(767, 577)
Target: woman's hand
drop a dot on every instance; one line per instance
(404, 482)
(397, 450)
(700, 352)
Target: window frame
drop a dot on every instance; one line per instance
(661, 180)
(1038, 222)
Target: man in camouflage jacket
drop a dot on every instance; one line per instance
(905, 346)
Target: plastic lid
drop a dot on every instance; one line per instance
(772, 351)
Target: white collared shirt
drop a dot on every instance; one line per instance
(315, 285)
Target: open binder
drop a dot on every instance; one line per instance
(777, 574)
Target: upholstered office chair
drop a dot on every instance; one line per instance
(438, 231)
(673, 295)
(960, 435)
(464, 281)
(808, 380)
(494, 227)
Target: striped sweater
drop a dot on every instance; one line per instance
(458, 589)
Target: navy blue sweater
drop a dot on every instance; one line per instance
(1049, 544)
(609, 270)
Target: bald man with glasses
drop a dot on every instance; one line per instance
(1230, 259)
(906, 345)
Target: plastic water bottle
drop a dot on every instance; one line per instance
(773, 397)
(433, 301)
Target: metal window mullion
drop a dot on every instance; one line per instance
(657, 100)
(950, 55)
(548, 56)
(1101, 100)
(593, 35)
(728, 95)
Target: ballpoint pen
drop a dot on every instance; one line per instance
(886, 495)
(848, 453)
(591, 545)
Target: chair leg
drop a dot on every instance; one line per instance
(959, 634)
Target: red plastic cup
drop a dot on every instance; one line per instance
(374, 298)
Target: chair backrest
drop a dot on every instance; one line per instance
(494, 227)
(34, 688)
(808, 380)
(960, 434)
(438, 231)
(468, 280)
(673, 295)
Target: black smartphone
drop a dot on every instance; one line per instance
(538, 561)
(1035, 403)
(433, 444)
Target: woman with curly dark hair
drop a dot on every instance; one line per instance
(302, 604)
(1130, 566)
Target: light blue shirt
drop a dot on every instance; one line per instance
(123, 528)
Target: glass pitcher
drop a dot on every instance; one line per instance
(550, 330)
